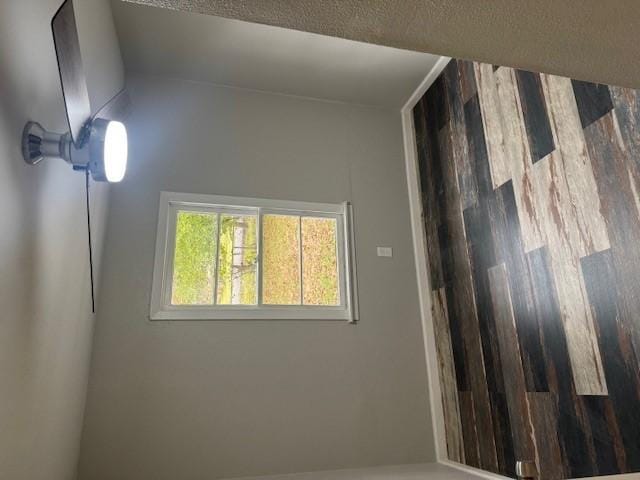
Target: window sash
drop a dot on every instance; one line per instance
(172, 203)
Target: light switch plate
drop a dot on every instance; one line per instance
(385, 252)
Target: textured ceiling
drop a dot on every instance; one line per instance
(205, 48)
(593, 40)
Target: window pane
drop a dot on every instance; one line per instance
(281, 260)
(319, 262)
(194, 259)
(237, 260)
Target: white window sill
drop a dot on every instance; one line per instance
(252, 313)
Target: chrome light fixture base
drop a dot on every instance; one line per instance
(39, 143)
(101, 149)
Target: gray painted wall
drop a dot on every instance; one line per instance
(45, 322)
(201, 400)
(206, 48)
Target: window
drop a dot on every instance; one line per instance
(239, 258)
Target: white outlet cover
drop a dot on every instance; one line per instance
(385, 252)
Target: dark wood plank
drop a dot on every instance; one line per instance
(627, 112)
(544, 417)
(514, 381)
(456, 324)
(467, 79)
(619, 199)
(481, 252)
(477, 148)
(535, 115)
(615, 435)
(431, 173)
(454, 263)
(593, 99)
(447, 257)
(450, 205)
(436, 103)
(507, 238)
(603, 434)
(420, 122)
(462, 314)
(431, 188)
(574, 442)
(620, 365)
(434, 265)
(469, 430)
(459, 145)
(447, 375)
(502, 434)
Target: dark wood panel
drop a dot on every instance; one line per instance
(447, 258)
(430, 175)
(544, 417)
(603, 434)
(514, 381)
(436, 279)
(462, 311)
(467, 79)
(478, 148)
(507, 237)
(619, 199)
(459, 145)
(620, 365)
(469, 430)
(455, 262)
(436, 103)
(481, 253)
(535, 115)
(535, 316)
(420, 124)
(446, 367)
(573, 440)
(627, 110)
(503, 434)
(594, 101)
(456, 323)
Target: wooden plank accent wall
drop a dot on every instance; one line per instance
(455, 448)
(531, 205)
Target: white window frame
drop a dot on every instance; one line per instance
(171, 202)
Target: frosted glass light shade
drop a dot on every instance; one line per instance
(115, 151)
